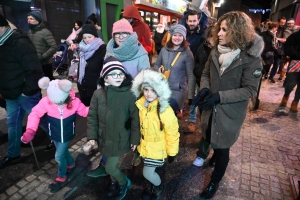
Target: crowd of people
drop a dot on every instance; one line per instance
(116, 83)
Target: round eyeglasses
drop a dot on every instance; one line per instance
(115, 75)
(124, 35)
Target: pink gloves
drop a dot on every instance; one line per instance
(28, 136)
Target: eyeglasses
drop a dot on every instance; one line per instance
(124, 35)
(115, 75)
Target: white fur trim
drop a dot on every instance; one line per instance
(44, 83)
(157, 82)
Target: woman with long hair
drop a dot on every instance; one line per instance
(176, 61)
(230, 78)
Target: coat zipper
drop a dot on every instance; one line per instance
(61, 125)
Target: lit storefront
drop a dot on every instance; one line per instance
(158, 11)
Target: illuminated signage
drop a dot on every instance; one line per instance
(178, 6)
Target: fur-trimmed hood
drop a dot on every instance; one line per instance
(155, 80)
(257, 46)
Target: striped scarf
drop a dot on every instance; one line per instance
(6, 35)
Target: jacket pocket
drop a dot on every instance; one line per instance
(230, 111)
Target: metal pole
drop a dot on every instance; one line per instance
(37, 163)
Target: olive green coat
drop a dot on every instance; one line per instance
(238, 83)
(113, 120)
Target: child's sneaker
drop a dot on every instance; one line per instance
(198, 162)
(70, 168)
(58, 183)
(123, 189)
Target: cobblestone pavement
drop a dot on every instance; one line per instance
(262, 162)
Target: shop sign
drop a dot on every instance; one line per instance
(178, 6)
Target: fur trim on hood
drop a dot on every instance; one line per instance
(156, 81)
(257, 46)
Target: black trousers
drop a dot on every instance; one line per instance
(48, 71)
(85, 94)
(292, 79)
(220, 157)
(266, 69)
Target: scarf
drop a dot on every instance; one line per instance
(87, 51)
(127, 51)
(274, 40)
(226, 57)
(8, 32)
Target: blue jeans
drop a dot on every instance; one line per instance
(15, 111)
(63, 157)
(275, 67)
(193, 109)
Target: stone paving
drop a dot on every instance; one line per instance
(262, 161)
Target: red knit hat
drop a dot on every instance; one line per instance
(132, 12)
(122, 26)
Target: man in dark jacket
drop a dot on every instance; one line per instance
(20, 71)
(43, 41)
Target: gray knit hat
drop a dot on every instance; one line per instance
(36, 15)
(178, 28)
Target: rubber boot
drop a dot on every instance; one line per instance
(158, 192)
(98, 172)
(284, 101)
(294, 106)
(147, 191)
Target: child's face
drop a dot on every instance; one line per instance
(149, 94)
(115, 78)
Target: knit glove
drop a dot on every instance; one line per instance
(200, 96)
(171, 158)
(28, 136)
(210, 102)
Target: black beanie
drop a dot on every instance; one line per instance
(91, 18)
(90, 29)
(36, 15)
(3, 21)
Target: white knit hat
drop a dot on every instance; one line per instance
(57, 90)
(290, 21)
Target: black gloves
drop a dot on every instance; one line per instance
(171, 158)
(200, 96)
(210, 101)
(190, 102)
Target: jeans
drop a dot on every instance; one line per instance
(275, 67)
(15, 111)
(63, 157)
(193, 109)
(292, 79)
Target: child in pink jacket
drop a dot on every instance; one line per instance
(60, 106)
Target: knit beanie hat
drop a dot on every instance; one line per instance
(57, 90)
(111, 64)
(90, 29)
(91, 18)
(3, 21)
(178, 28)
(122, 26)
(290, 21)
(36, 15)
(132, 12)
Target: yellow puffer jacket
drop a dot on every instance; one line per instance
(154, 143)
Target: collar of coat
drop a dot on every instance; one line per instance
(254, 50)
(140, 104)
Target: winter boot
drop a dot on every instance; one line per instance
(294, 106)
(98, 172)
(123, 190)
(147, 191)
(158, 192)
(209, 191)
(113, 189)
(284, 101)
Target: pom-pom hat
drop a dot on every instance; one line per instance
(111, 64)
(57, 90)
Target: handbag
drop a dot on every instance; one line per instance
(167, 72)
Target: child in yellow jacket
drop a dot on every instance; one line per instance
(158, 127)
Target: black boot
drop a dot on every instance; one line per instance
(123, 190)
(158, 192)
(147, 191)
(209, 191)
(113, 189)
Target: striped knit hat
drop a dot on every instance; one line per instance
(111, 64)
